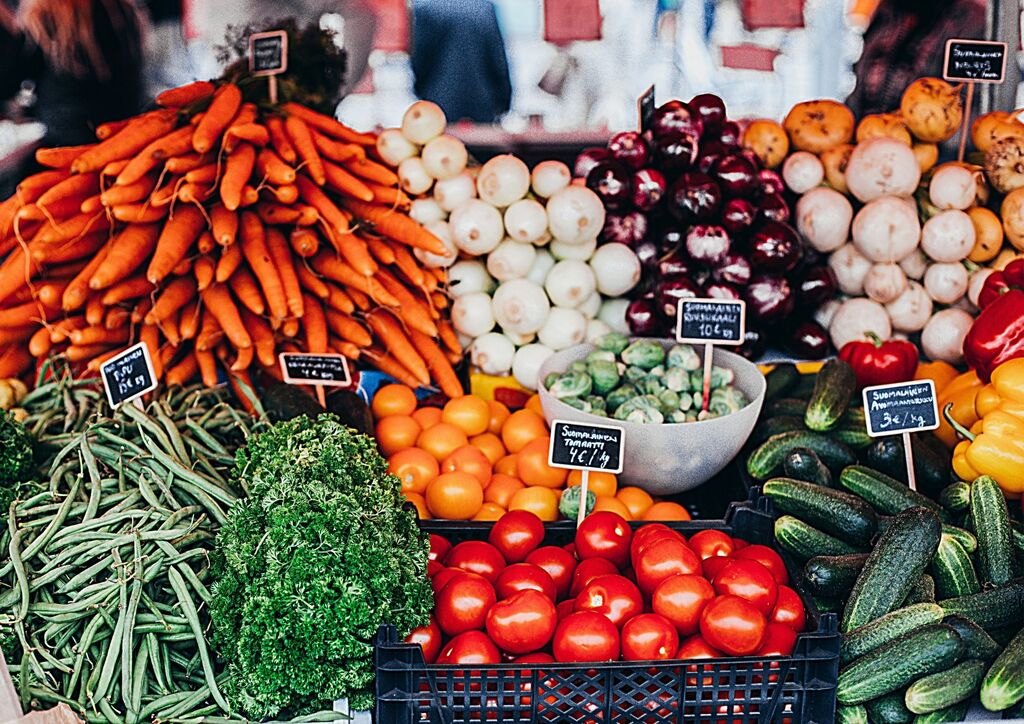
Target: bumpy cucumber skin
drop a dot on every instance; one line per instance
(835, 512)
(991, 522)
(946, 688)
(953, 571)
(1003, 685)
(865, 639)
(805, 541)
(833, 391)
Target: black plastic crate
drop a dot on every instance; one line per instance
(799, 689)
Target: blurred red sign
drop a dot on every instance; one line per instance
(566, 21)
(392, 26)
(749, 57)
(759, 14)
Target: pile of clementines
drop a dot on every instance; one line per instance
(474, 459)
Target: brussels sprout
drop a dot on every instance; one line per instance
(600, 354)
(698, 399)
(692, 416)
(596, 403)
(572, 384)
(658, 371)
(613, 342)
(722, 376)
(551, 378)
(668, 402)
(634, 373)
(639, 409)
(697, 380)
(569, 504)
(677, 379)
(578, 366)
(605, 376)
(685, 401)
(581, 405)
(619, 395)
(621, 368)
(684, 356)
(645, 353)
(726, 400)
(678, 416)
(651, 385)
(598, 413)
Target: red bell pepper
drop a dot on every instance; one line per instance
(880, 363)
(997, 335)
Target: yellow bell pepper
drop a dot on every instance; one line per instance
(1008, 380)
(939, 372)
(961, 467)
(996, 450)
(961, 393)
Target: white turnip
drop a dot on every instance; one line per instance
(943, 336)
(575, 215)
(952, 187)
(492, 353)
(527, 363)
(855, 318)
(617, 269)
(472, 315)
(911, 310)
(882, 167)
(570, 282)
(850, 268)
(526, 220)
(413, 176)
(511, 260)
(802, 171)
(393, 147)
(453, 192)
(946, 283)
(469, 276)
(915, 264)
(503, 180)
(423, 121)
(948, 236)
(520, 305)
(442, 231)
(476, 227)
(886, 229)
(563, 329)
(885, 282)
(550, 177)
(823, 216)
(444, 157)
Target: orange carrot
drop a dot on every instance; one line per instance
(336, 151)
(195, 193)
(341, 180)
(32, 187)
(388, 195)
(135, 136)
(344, 348)
(314, 325)
(353, 250)
(205, 243)
(396, 225)
(60, 157)
(339, 300)
(380, 249)
(373, 171)
(334, 268)
(247, 290)
(23, 314)
(250, 196)
(262, 337)
(274, 169)
(241, 385)
(91, 204)
(56, 252)
(280, 255)
(184, 371)
(150, 336)
(129, 193)
(169, 327)
(441, 369)
(166, 194)
(8, 209)
(99, 335)
(255, 133)
(39, 343)
(389, 365)
(94, 310)
(284, 194)
(17, 335)
(222, 110)
(14, 360)
(230, 258)
(141, 309)
(412, 311)
(61, 330)
(207, 365)
(204, 269)
(224, 224)
(167, 354)
(115, 167)
(237, 171)
(439, 301)
(204, 174)
(173, 297)
(106, 130)
(78, 185)
(178, 235)
(77, 292)
(186, 162)
(362, 302)
(290, 327)
(390, 333)
(175, 143)
(311, 282)
(186, 94)
(219, 303)
(62, 208)
(449, 339)
(117, 318)
(304, 242)
(254, 248)
(128, 251)
(188, 323)
(302, 140)
(347, 328)
(209, 332)
(329, 126)
(51, 292)
(312, 195)
(279, 139)
(138, 213)
(308, 215)
(406, 264)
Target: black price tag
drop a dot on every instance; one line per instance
(128, 375)
(711, 321)
(300, 368)
(586, 447)
(979, 61)
(645, 109)
(901, 407)
(268, 52)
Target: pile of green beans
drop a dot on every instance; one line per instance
(105, 588)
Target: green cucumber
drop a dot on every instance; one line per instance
(899, 558)
(833, 575)
(803, 464)
(991, 522)
(768, 457)
(804, 387)
(1017, 535)
(886, 455)
(1004, 683)
(775, 426)
(855, 437)
(891, 626)
(955, 713)
(923, 591)
(887, 495)
(979, 644)
(964, 537)
(835, 512)
(856, 714)
(786, 406)
(833, 390)
(889, 709)
(780, 380)
(805, 541)
(956, 497)
(991, 609)
(898, 663)
(953, 571)
(1014, 712)
(945, 688)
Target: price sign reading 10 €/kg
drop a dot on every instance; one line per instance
(710, 322)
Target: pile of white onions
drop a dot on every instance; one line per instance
(524, 270)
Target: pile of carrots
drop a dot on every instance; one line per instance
(214, 231)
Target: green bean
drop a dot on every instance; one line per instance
(155, 665)
(57, 522)
(83, 647)
(189, 609)
(133, 699)
(320, 716)
(184, 705)
(181, 513)
(108, 712)
(165, 488)
(212, 444)
(25, 505)
(129, 627)
(21, 575)
(94, 477)
(47, 656)
(51, 697)
(149, 496)
(164, 702)
(188, 475)
(87, 574)
(165, 658)
(114, 650)
(171, 430)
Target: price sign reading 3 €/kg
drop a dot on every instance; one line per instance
(129, 375)
(900, 409)
(586, 447)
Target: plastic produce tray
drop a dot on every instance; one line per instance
(798, 689)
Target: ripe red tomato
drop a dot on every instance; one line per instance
(680, 599)
(748, 579)
(585, 636)
(441, 579)
(463, 603)
(471, 647)
(433, 568)
(439, 547)
(696, 647)
(733, 625)
(614, 596)
(738, 543)
(767, 558)
(537, 657)
(586, 571)
(649, 637)
(604, 534)
(779, 640)
(714, 565)
(559, 564)
(565, 608)
(477, 557)
(708, 543)
(522, 623)
(524, 576)
(516, 533)
(429, 639)
(662, 558)
(646, 533)
(789, 610)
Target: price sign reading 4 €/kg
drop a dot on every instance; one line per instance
(128, 376)
(268, 55)
(900, 409)
(302, 368)
(586, 447)
(710, 322)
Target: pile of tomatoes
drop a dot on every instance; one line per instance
(611, 594)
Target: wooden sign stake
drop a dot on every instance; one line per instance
(583, 447)
(280, 65)
(584, 489)
(321, 396)
(318, 370)
(272, 89)
(900, 409)
(908, 455)
(709, 361)
(972, 61)
(965, 129)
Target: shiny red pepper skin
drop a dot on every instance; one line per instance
(880, 363)
(997, 335)
(1000, 282)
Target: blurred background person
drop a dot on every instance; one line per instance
(458, 59)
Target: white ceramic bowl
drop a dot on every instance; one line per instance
(671, 457)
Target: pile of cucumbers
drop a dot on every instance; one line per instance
(929, 592)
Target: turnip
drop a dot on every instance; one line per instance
(519, 339)
(526, 220)
(1004, 164)
(477, 227)
(425, 211)
(472, 315)
(952, 187)
(393, 147)
(413, 176)
(542, 263)
(911, 310)
(452, 193)
(855, 318)
(596, 329)
(977, 282)
(469, 276)
(802, 171)
(503, 180)
(914, 264)
(590, 306)
(492, 353)
(575, 215)
(850, 267)
(444, 157)
(550, 177)
(943, 336)
(527, 363)
(946, 283)
(570, 282)
(948, 236)
(886, 229)
(823, 315)
(882, 167)
(520, 306)
(617, 269)
(442, 231)
(511, 260)
(563, 329)
(1012, 213)
(423, 121)
(823, 216)
(582, 252)
(885, 282)
(613, 313)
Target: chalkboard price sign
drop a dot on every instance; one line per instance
(711, 321)
(586, 447)
(901, 407)
(268, 52)
(299, 368)
(128, 375)
(978, 61)
(645, 108)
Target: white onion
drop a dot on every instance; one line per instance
(550, 177)
(882, 166)
(911, 310)
(613, 313)
(472, 315)
(886, 229)
(823, 216)
(952, 187)
(503, 180)
(943, 337)
(519, 339)
(526, 220)
(575, 215)
(914, 264)
(476, 227)
(948, 236)
(520, 305)
(850, 268)
(492, 353)
(425, 211)
(527, 363)
(423, 121)
(413, 176)
(469, 276)
(855, 318)
(563, 328)
(617, 269)
(824, 314)
(582, 252)
(590, 306)
(885, 282)
(452, 193)
(570, 282)
(946, 283)
(442, 231)
(444, 157)
(393, 147)
(802, 171)
(977, 282)
(596, 329)
(511, 260)
(542, 264)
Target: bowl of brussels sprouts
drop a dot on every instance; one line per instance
(653, 388)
